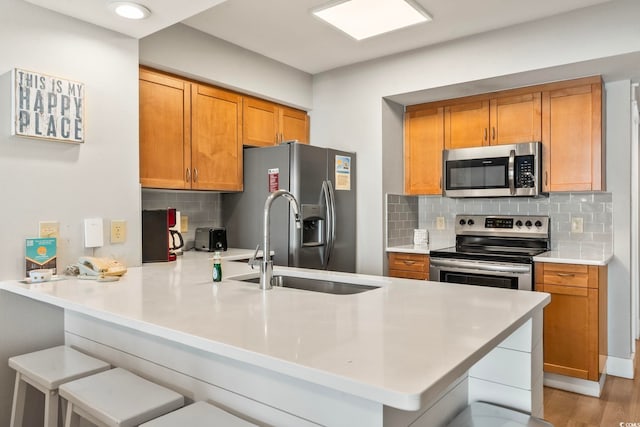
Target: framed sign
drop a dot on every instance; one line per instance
(47, 107)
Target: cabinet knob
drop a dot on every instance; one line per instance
(485, 134)
(187, 175)
(195, 174)
(493, 133)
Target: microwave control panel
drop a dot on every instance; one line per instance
(525, 172)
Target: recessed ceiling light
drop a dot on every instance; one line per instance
(129, 10)
(367, 18)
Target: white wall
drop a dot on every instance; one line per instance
(347, 109)
(192, 53)
(43, 180)
(618, 135)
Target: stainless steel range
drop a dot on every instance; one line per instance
(492, 250)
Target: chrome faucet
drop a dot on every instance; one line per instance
(266, 266)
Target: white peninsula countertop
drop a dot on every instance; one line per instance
(400, 344)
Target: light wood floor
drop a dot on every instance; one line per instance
(618, 405)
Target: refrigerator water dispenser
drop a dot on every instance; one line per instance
(313, 225)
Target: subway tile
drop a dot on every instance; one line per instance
(581, 197)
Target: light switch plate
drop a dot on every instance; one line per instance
(577, 224)
(93, 233)
(49, 229)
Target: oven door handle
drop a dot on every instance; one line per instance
(512, 172)
(477, 266)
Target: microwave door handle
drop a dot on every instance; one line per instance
(511, 172)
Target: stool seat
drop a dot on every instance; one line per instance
(117, 398)
(481, 414)
(57, 365)
(46, 370)
(198, 414)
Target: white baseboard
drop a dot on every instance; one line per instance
(575, 385)
(620, 367)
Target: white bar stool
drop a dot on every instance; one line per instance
(117, 398)
(46, 370)
(198, 414)
(481, 414)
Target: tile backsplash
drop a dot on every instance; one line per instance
(595, 209)
(204, 209)
(402, 219)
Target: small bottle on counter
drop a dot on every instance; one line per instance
(217, 267)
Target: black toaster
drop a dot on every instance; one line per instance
(211, 239)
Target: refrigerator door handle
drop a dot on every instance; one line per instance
(327, 243)
(332, 222)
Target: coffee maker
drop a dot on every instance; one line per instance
(159, 242)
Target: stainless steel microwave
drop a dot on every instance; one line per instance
(512, 170)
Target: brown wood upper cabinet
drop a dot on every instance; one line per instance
(466, 125)
(504, 119)
(165, 126)
(572, 137)
(566, 116)
(515, 118)
(266, 123)
(190, 134)
(216, 151)
(423, 144)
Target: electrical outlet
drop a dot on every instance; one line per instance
(440, 223)
(184, 223)
(577, 224)
(49, 229)
(118, 231)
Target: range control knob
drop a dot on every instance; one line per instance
(470, 222)
(518, 223)
(463, 222)
(538, 223)
(528, 223)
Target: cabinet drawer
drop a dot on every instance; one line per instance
(566, 274)
(408, 262)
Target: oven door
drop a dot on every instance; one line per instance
(482, 273)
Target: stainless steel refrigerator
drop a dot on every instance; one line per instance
(323, 181)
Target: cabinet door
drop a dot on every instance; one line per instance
(164, 131)
(466, 125)
(423, 144)
(516, 118)
(260, 122)
(217, 139)
(294, 125)
(570, 336)
(572, 138)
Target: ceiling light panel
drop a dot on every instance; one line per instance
(362, 19)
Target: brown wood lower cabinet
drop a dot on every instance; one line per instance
(575, 322)
(408, 265)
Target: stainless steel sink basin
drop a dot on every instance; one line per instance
(325, 286)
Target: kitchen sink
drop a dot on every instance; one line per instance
(316, 285)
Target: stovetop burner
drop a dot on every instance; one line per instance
(515, 239)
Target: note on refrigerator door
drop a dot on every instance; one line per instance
(343, 173)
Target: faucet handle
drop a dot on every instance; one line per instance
(253, 261)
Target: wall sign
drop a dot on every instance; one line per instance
(47, 107)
